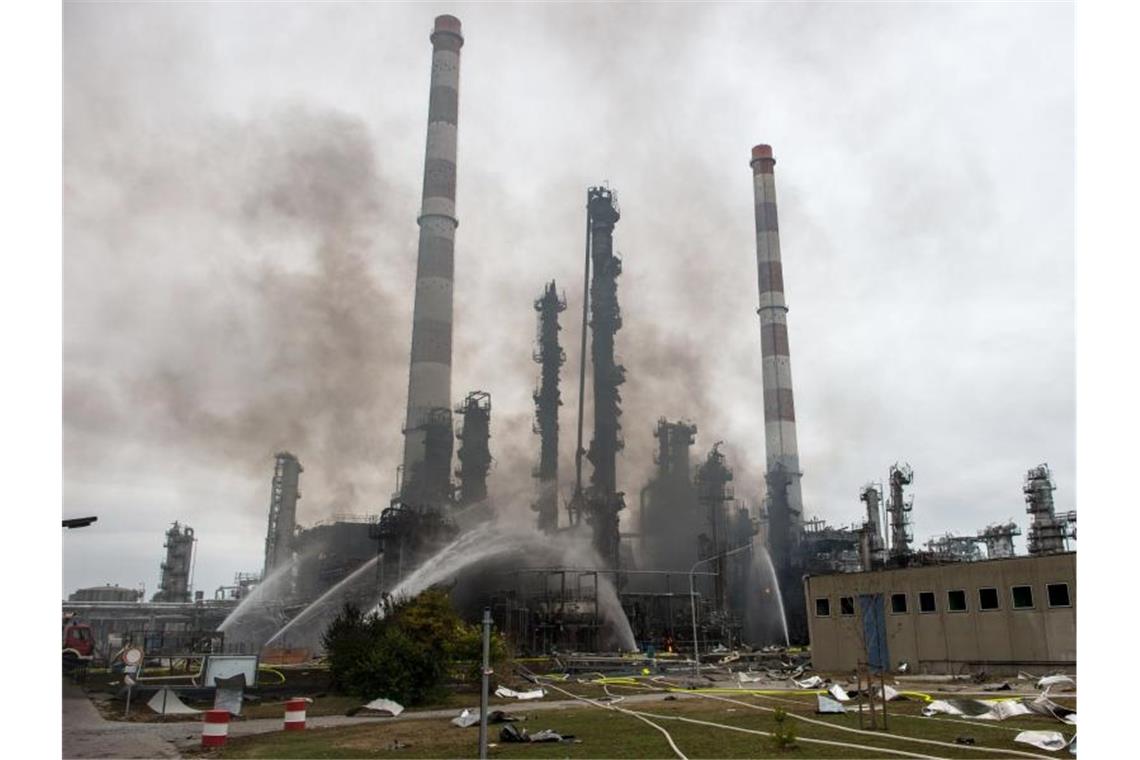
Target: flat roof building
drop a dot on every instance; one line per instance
(1000, 615)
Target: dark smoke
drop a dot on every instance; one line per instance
(281, 346)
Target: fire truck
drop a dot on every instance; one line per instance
(78, 643)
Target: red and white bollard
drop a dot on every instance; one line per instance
(295, 714)
(215, 728)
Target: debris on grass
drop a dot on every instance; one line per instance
(166, 702)
(826, 705)
(839, 693)
(379, 707)
(511, 734)
(506, 693)
(470, 717)
(1050, 740)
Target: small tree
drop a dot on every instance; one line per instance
(784, 734)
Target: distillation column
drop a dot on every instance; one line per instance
(284, 491)
(604, 500)
(550, 356)
(429, 381)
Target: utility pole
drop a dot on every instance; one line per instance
(486, 683)
(693, 599)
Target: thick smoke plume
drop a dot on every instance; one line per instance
(240, 192)
(278, 334)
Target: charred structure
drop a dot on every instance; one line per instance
(668, 513)
(474, 449)
(427, 485)
(285, 490)
(713, 496)
(547, 398)
(604, 502)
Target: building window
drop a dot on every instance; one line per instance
(956, 601)
(926, 602)
(1022, 597)
(846, 605)
(823, 607)
(1058, 594)
(988, 599)
(898, 603)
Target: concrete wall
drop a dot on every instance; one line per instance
(999, 640)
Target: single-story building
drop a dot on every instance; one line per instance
(1000, 616)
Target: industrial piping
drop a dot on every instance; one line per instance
(429, 381)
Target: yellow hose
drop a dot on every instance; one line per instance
(634, 681)
(274, 671)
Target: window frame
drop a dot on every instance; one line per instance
(827, 601)
(933, 600)
(847, 614)
(1013, 605)
(1068, 596)
(906, 603)
(997, 599)
(965, 600)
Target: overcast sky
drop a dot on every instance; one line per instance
(240, 190)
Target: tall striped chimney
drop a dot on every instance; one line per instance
(783, 460)
(429, 381)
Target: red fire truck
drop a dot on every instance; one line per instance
(78, 643)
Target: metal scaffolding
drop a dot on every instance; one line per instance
(899, 509)
(1049, 532)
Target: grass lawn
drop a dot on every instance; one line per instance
(615, 735)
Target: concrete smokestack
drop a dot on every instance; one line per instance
(783, 459)
(429, 381)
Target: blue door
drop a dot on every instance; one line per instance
(873, 610)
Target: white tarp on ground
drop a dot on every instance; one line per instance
(809, 683)
(1007, 708)
(999, 709)
(827, 705)
(166, 702)
(385, 705)
(889, 693)
(506, 693)
(466, 718)
(1057, 680)
(983, 709)
(747, 677)
(1050, 740)
(838, 692)
(1046, 706)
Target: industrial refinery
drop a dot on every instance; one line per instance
(684, 564)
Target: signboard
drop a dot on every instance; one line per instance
(228, 666)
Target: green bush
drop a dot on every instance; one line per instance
(784, 734)
(408, 653)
